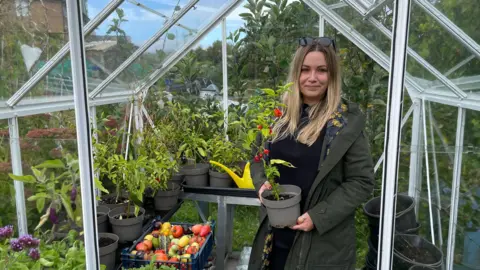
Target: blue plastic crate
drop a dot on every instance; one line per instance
(196, 262)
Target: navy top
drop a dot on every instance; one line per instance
(306, 160)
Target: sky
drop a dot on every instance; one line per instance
(142, 24)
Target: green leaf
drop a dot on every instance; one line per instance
(18, 266)
(202, 152)
(45, 263)
(40, 204)
(379, 136)
(379, 102)
(23, 178)
(99, 185)
(68, 207)
(51, 164)
(281, 162)
(37, 196)
(269, 91)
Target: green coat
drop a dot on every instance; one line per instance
(344, 181)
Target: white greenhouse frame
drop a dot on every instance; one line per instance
(456, 93)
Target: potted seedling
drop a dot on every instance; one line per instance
(127, 220)
(193, 149)
(190, 146)
(228, 154)
(282, 201)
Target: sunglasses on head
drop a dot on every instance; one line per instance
(324, 41)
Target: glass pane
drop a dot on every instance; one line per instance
(7, 192)
(50, 137)
(423, 38)
(467, 236)
(463, 14)
(32, 33)
(367, 29)
(53, 199)
(169, 43)
(119, 36)
(112, 124)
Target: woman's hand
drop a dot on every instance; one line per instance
(304, 223)
(264, 187)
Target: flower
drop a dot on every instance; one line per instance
(259, 127)
(27, 241)
(16, 245)
(277, 112)
(6, 232)
(256, 159)
(34, 254)
(266, 151)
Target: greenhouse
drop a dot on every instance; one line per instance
(127, 129)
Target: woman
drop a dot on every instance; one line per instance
(323, 138)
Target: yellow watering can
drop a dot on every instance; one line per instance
(244, 182)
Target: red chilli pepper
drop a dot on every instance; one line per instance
(277, 112)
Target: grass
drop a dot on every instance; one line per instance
(246, 225)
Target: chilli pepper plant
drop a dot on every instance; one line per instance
(57, 190)
(162, 164)
(226, 152)
(264, 110)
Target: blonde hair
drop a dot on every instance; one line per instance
(319, 113)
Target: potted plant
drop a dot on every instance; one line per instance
(227, 153)
(160, 169)
(282, 201)
(188, 143)
(127, 220)
(107, 170)
(193, 149)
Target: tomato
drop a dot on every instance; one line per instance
(162, 257)
(148, 244)
(177, 231)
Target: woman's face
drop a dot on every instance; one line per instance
(313, 77)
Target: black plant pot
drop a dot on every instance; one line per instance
(409, 251)
(405, 219)
(108, 243)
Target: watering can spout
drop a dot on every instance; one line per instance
(242, 182)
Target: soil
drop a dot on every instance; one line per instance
(282, 197)
(124, 216)
(415, 254)
(112, 200)
(105, 241)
